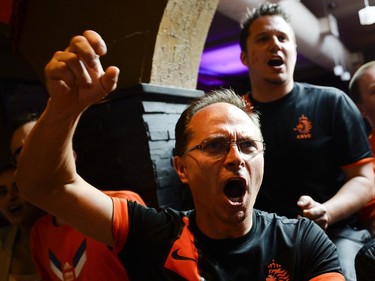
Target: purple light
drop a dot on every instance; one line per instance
(222, 61)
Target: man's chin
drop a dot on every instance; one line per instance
(280, 80)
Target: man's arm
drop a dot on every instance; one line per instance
(46, 173)
(353, 195)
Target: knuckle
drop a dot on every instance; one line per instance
(77, 39)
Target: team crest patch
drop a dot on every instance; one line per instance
(276, 272)
(303, 128)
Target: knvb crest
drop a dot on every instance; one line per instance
(276, 272)
(303, 128)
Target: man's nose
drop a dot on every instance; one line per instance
(234, 156)
(275, 44)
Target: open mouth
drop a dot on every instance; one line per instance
(275, 62)
(14, 209)
(235, 190)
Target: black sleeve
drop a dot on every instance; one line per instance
(321, 256)
(365, 262)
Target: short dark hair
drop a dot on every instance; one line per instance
(182, 131)
(354, 91)
(267, 9)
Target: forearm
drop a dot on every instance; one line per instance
(352, 196)
(46, 173)
(47, 160)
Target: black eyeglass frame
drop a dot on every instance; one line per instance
(228, 146)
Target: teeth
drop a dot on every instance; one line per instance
(236, 199)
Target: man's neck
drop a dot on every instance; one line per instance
(268, 92)
(224, 231)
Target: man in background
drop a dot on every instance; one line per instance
(59, 251)
(318, 162)
(362, 92)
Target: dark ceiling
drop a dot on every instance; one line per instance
(356, 38)
(224, 30)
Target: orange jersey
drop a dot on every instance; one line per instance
(63, 253)
(368, 212)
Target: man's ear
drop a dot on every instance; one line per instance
(179, 166)
(243, 57)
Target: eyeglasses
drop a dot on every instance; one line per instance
(14, 157)
(219, 147)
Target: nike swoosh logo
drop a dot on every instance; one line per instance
(176, 256)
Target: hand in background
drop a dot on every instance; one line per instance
(314, 211)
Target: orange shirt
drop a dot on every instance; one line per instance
(61, 253)
(368, 212)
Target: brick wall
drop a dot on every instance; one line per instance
(127, 141)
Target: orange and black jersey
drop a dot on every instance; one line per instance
(309, 134)
(367, 213)
(167, 245)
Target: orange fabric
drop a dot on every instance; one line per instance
(84, 258)
(63, 253)
(125, 194)
(6, 11)
(368, 211)
(360, 162)
(121, 205)
(332, 276)
(183, 257)
(121, 235)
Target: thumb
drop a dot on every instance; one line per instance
(109, 79)
(304, 200)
